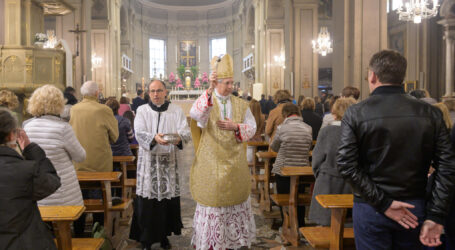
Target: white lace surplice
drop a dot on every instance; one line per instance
(157, 174)
(223, 227)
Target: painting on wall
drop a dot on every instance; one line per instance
(187, 53)
(325, 77)
(325, 9)
(397, 42)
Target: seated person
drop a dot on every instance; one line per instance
(130, 116)
(292, 141)
(122, 145)
(24, 180)
(56, 137)
(328, 180)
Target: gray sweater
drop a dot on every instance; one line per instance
(292, 141)
(324, 153)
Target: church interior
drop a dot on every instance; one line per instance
(308, 47)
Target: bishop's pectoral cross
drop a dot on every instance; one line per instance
(188, 57)
(77, 31)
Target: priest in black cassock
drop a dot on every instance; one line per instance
(157, 206)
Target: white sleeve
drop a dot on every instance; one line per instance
(143, 137)
(183, 129)
(247, 129)
(72, 145)
(200, 111)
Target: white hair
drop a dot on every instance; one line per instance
(89, 88)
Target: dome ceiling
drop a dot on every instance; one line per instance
(187, 2)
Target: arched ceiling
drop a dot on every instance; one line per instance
(187, 2)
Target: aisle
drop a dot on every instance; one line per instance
(266, 237)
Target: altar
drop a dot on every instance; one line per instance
(191, 94)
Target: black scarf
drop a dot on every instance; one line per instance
(162, 108)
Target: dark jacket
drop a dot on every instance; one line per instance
(314, 120)
(22, 183)
(125, 135)
(387, 144)
(138, 101)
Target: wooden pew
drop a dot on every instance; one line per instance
(125, 183)
(265, 188)
(61, 218)
(132, 166)
(102, 180)
(335, 236)
(256, 176)
(289, 202)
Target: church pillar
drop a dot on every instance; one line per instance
(86, 49)
(305, 61)
(259, 40)
(366, 35)
(449, 35)
(289, 47)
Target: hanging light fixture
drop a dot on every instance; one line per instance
(323, 45)
(96, 61)
(416, 10)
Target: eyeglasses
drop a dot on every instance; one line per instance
(156, 90)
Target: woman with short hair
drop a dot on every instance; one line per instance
(57, 138)
(125, 133)
(310, 117)
(23, 181)
(328, 180)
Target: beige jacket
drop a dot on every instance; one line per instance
(275, 118)
(95, 127)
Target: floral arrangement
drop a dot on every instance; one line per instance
(40, 38)
(172, 79)
(179, 84)
(205, 78)
(197, 83)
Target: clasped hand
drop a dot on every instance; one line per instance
(430, 232)
(227, 124)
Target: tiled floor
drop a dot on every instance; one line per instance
(266, 238)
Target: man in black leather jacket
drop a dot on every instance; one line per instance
(387, 145)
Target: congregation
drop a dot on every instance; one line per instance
(392, 153)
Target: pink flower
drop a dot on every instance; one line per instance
(197, 83)
(171, 77)
(205, 78)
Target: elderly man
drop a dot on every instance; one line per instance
(387, 145)
(95, 127)
(220, 181)
(157, 207)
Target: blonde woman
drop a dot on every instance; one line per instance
(328, 180)
(57, 139)
(445, 114)
(275, 118)
(8, 99)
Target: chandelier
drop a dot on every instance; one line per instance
(96, 61)
(323, 45)
(416, 10)
(280, 59)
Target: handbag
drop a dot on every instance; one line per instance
(99, 232)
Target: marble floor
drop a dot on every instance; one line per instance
(266, 238)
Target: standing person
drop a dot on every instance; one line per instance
(138, 100)
(328, 180)
(220, 181)
(125, 132)
(56, 137)
(387, 144)
(263, 103)
(270, 105)
(157, 207)
(95, 127)
(24, 180)
(124, 105)
(310, 117)
(71, 100)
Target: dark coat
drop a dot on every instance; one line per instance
(388, 142)
(328, 180)
(138, 101)
(22, 183)
(314, 120)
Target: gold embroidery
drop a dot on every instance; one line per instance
(219, 175)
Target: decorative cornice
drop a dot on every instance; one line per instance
(225, 4)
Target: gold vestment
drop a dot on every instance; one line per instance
(220, 176)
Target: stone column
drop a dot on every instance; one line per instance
(85, 41)
(449, 36)
(305, 61)
(365, 33)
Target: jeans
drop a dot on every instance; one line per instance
(374, 230)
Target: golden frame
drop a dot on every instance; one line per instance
(410, 86)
